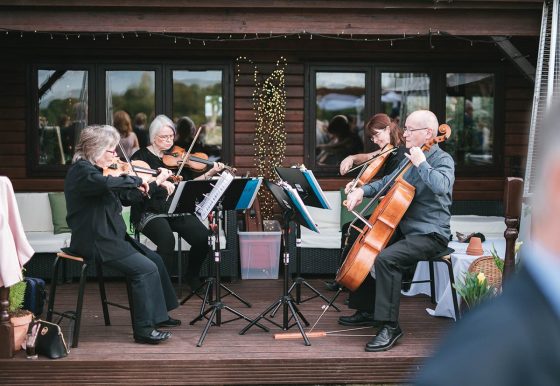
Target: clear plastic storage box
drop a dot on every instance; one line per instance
(260, 252)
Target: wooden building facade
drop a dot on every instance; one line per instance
(439, 39)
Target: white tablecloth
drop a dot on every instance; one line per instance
(461, 262)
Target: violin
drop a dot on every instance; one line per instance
(134, 168)
(173, 157)
(370, 170)
(382, 223)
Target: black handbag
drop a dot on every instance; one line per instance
(49, 340)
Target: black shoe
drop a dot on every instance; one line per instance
(386, 337)
(169, 323)
(153, 337)
(332, 285)
(359, 318)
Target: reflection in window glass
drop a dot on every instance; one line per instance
(63, 106)
(340, 103)
(470, 114)
(134, 93)
(403, 93)
(198, 95)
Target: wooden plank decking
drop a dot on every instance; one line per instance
(109, 355)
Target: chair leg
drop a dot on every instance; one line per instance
(79, 306)
(52, 290)
(432, 282)
(453, 291)
(99, 267)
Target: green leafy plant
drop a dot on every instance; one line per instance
(474, 289)
(17, 294)
(499, 262)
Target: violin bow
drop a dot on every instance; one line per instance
(130, 164)
(188, 152)
(367, 162)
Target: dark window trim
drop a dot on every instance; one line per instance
(437, 105)
(32, 142)
(310, 116)
(96, 99)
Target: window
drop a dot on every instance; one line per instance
(403, 93)
(339, 110)
(469, 110)
(62, 108)
(199, 96)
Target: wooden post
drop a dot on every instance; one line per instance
(6, 329)
(513, 194)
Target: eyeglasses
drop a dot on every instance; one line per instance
(113, 152)
(406, 129)
(169, 137)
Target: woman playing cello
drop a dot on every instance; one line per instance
(160, 229)
(385, 134)
(422, 233)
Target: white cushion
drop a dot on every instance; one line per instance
(48, 242)
(35, 212)
(328, 222)
(492, 227)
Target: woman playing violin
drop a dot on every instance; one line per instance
(160, 229)
(422, 233)
(382, 132)
(94, 209)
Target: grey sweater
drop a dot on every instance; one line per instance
(430, 209)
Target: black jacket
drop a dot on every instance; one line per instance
(93, 202)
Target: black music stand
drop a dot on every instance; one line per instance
(231, 199)
(188, 194)
(293, 209)
(311, 194)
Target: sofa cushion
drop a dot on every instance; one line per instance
(35, 212)
(492, 227)
(328, 222)
(47, 242)
(58, 212)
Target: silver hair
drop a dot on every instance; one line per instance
(159, 123)
(94, 140)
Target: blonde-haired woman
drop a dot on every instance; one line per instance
(94, 209)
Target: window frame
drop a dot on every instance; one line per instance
(97, 103)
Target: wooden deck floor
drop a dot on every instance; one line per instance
(107, 354)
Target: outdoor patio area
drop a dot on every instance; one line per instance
(107, 354)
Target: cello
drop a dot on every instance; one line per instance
(382, 224)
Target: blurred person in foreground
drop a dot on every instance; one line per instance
(515, 338)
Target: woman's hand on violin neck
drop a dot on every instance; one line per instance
(416, 156)
(346, 164)
(354, 198)
(218, 167)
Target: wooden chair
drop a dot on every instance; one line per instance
(76, 315)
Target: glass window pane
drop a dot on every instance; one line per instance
(339, 93)
(198, 95)
(403, 93)
(134, 93)
(63, 107)
(470, 114)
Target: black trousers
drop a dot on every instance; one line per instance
(160, 231)
(382, 294)
(152, 292)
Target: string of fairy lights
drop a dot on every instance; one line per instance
(189, 39)
(269, 106)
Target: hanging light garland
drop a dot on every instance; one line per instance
(224, 38)
(269, 106)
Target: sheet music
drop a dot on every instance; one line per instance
(249, 193)
(310, 177)
(300, 206)
(176, 197)
(205, 207)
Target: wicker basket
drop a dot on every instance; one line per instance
(486, 265)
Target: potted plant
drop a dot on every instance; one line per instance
(19, 318)
(474, 289)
